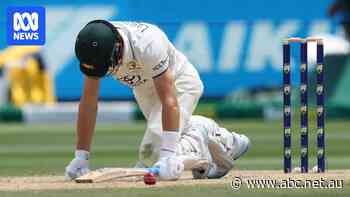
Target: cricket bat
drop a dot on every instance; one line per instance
(105, 174)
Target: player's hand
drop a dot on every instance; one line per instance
(78, 166)
(170, 168)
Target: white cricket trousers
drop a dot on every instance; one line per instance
(189, 89)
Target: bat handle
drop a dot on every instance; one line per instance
(153, 170)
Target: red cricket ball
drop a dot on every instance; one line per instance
(149, 179)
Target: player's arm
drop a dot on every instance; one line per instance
(157, 64)
(170, 109)
(157, 61)
(85, 129)
(87, 113)
(170, 166)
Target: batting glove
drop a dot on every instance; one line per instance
(78, 166)
(170, 168)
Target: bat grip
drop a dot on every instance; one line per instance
(153, 170)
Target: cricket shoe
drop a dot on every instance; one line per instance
(226, 146)
(224, 154)
(241, 146)
(209, 171)
(200, 169)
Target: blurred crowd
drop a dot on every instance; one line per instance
(24, 76)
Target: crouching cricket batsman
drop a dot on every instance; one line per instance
(166, 87)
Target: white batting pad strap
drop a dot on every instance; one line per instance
(82, 154)
(168, 144)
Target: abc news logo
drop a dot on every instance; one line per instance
(26, 26)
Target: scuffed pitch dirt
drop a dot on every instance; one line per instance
(58, 182)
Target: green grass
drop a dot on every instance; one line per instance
(47, 149)
(193, 191)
